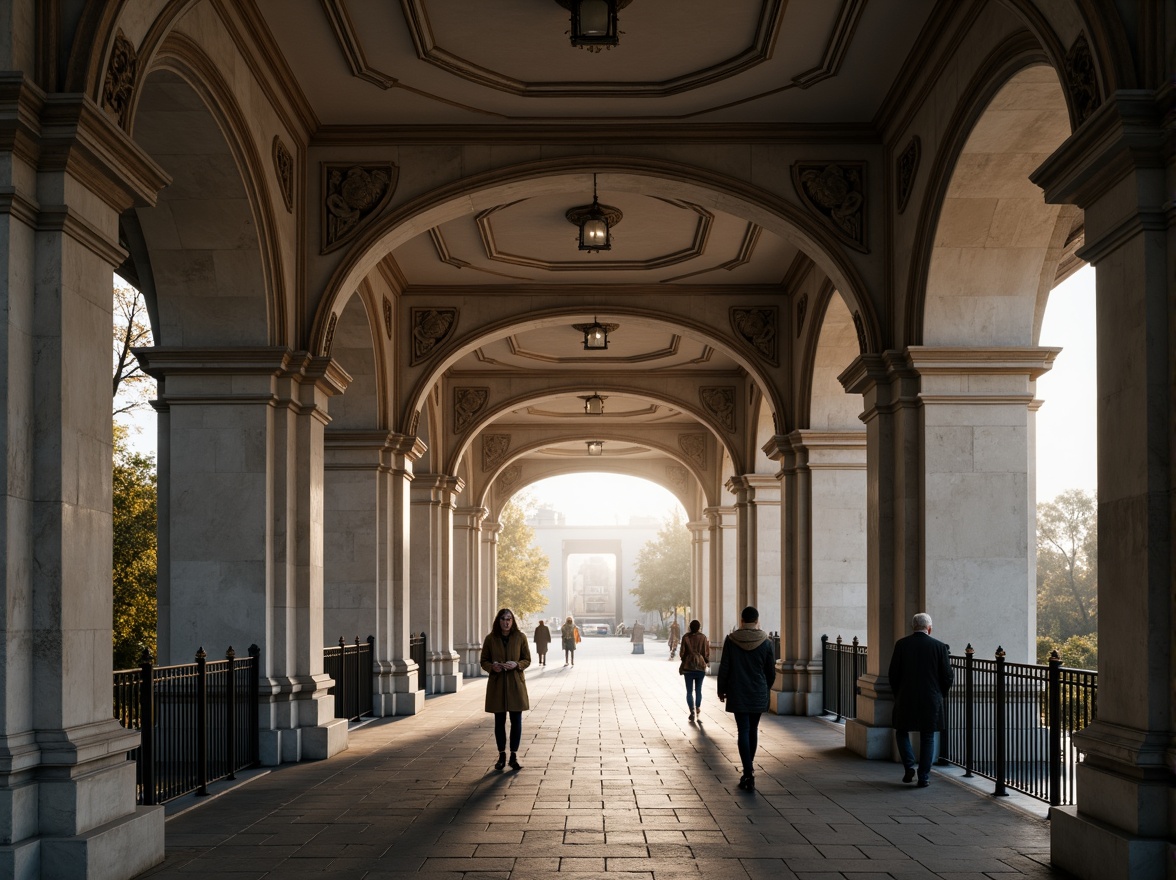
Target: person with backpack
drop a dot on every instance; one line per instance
(695, 656)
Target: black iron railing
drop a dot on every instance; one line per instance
(416, 653)
(775, 639)
(351, 668)
(199, 722)
(1014, 723)
(842, 664)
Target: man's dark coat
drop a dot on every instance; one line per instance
(921, 676)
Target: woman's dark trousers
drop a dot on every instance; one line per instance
(516, 730)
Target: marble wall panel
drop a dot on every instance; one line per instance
(984, 601)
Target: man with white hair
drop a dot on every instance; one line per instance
(921, 676)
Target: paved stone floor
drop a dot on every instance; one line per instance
(615, 780)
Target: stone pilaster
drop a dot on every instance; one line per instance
(757, 537)
(366, 475)
(698, 570)
(889, 390)
(244, 555)
(824, 530)
(468, 593)
(1117, 168)
(431, 560)
(67, 790)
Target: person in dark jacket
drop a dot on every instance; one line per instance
(504, 657)
(920, 675)
(542, 640)
(746, 672)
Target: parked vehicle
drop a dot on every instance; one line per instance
(595, 629)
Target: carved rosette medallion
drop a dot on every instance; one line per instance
(720, 401)
(835, 192)
(1082, 80)
(757, 326)
(388, 317)
(494, 447)
(284, 169)
(906, 167)
(801, 309)
(329, 338)
(860, 327)
(694, 448)
(430, 329)
(467, 403)
(510, 476)
(352, 195)
(121, 71)
(678, 477)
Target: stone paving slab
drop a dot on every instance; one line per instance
(616, 783)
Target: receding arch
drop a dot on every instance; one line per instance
(208, 237)
(829, 407)
(573, 175)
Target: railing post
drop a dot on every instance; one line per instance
(826, 677)
(839, 677)
(231, 713)
(202, 721)
(147, 727)
(355, 684)
(371, 673)
(998, 725)
(944, 758)
(1055, 729)
(255, 703)
(855, 672)
(969, 711)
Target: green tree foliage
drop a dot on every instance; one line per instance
(522, 566)
(1067, 578)
(663, 570)
(134, 553)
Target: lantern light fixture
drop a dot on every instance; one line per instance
(594, 23)
(595, 336)
(596, 447)
(595, 223)
(594, 405)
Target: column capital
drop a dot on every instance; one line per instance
(986, 375)
(436, 489)
(383, 444)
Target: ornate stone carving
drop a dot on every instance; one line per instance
(905, 168)
(801, 309)
(678, 477)
(352, 194)
(835, 192)
(467, 402)
(329, 338)
(284, 168)
(721, 403)
(860, 327)
(510, 476)
(388, 317)
(430, 328)
(494, 447)
(694, 447)
(1082, 79)
(758, 327)
(121, 71)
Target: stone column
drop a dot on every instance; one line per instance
(1117, 168)
(468, 591)
(245, 547)
(67, 790)
(489, 582)
(889, 390)
(824, 490)
(757, 529)
(980, 511)
(433, 502)
(712, 623)
(699, 594)
(367, 475)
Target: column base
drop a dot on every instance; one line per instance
(795, 703)
(449, 683)
(117, 850)
(1093, 850)
(408, 703)
(291, 745)
(872, 743)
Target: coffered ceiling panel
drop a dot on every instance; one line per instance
(458, 62)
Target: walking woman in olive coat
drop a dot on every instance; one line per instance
(505, 655)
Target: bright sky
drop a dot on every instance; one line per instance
(1065, 427)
